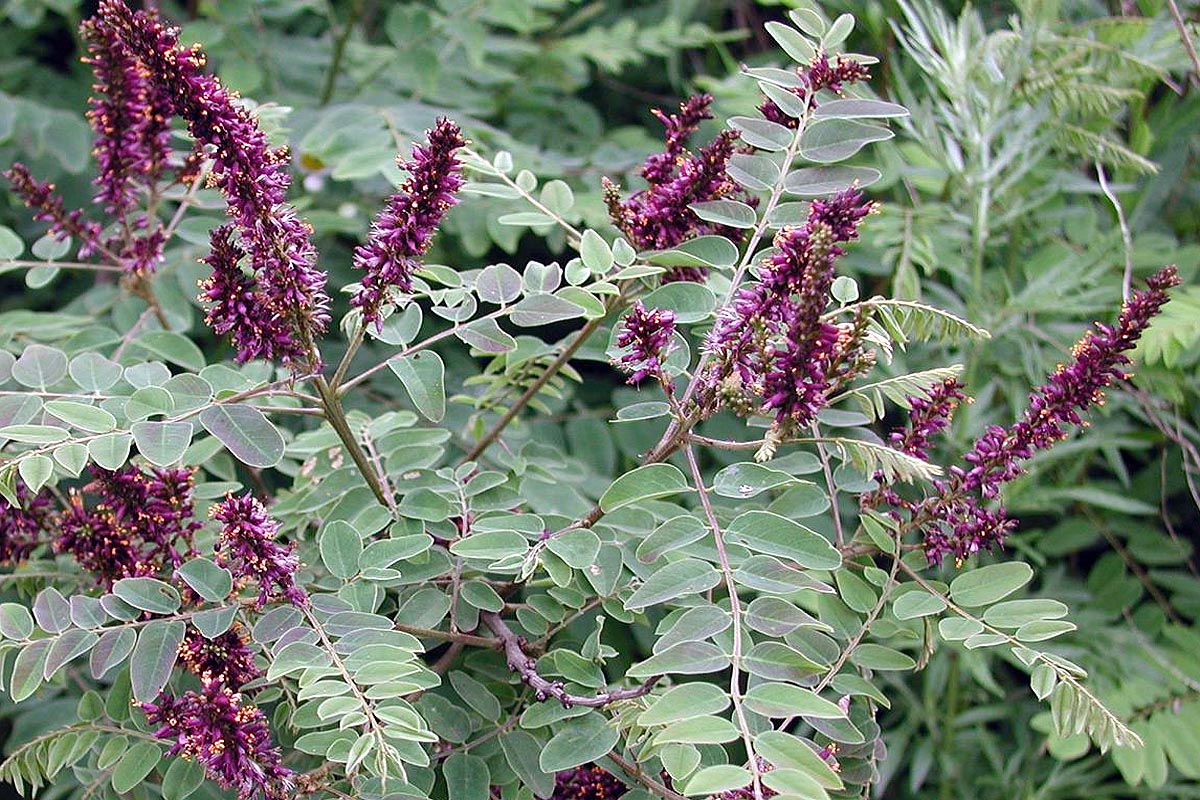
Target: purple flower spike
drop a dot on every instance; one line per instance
(820, 74)
(48, 207)
(927, 417)
(679, 128)
(960, 526)
(236, 308)
(404, 230)
(21, 525)
(647, 336)
(247, 546)
(130, 117)
(226, 658)
(249, 172)
(230, 738)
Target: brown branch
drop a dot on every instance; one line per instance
(525, 666)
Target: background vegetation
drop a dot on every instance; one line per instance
(1051, 151)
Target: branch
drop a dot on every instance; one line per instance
(520, 663)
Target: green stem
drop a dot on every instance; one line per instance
(336, 417)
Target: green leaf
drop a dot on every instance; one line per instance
(138, 762)
(644, 483)
(716, 779)
(183, 778)
(685, 658)
(1015, 613)
(878, 657)
(423, 375)
(580, 740)
(93, 372)
(34, 434)
(522, 752)
(917, 603)
(673, 534)
(15, 621)
(476, 695)
(341, 547)
(786, 751)
(162, 443)
(748, 479)
(733, 213)
(28, 669)
(11, 245)
(40, 367)
(703, 251)
(66, 647)
(786, 700)
(698, 730)
(819, 181)
(246, 432)
(798, 48)
(686, 701)
(148, 594)
(544, 309)
(830, 140)
(765, 532)
(35, 470)
(486, 335)
(690, 302)
(83, 416)
(111, 651)
(763, 134)
(154, 657)
(858, 108)
(1039, 630)
(467, 777)
(595, 252)
(207, 579)
(111, 450)
(578, 547)
(173, 347)
(491, 546)
(986, 585)
(689, 576)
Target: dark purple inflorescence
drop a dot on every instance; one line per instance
(404, 230)
(249, 172)
(48, 207)
(247, 546)
(771, 351)
(588, 782)
(137, 524)
(22, 525)
(659, 217)
(216, 728)
(646, 336)
(955, 521)
(226, 658)
(821, 73)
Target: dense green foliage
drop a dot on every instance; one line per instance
(1049, 155)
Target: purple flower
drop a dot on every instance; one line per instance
(960, 525)
(21, 525)
(660, 167)
(247, 546)
(130, 117)
(138, 523)
(770, 342)
(249, 172)
(927, 417)
(659, 217)
(226, 658)
(235, 303)
(646, 335)
(819, 74)
(230, 738)
(588, 782)
(48, 207)
(404, 230)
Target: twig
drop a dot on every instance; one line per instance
(638, 774)
(1126, 236)
(525, 666)
(1188, 44)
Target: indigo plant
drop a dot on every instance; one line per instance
(392, 557)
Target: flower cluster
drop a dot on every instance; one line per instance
(955, 521)
(819, 74)
(659, 217)
(229, 737)
(48, 207)
(404, 229)
(646, 337)
(588, 782)
(21, 524)
(254, 179)
(138, 523)
(247, 547)
(226, 658)
(130, 117)
(927, 417)
(771, 351)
